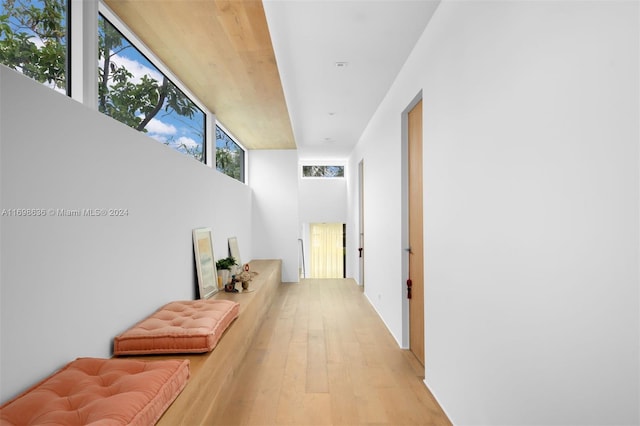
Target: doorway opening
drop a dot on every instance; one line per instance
(327, 252)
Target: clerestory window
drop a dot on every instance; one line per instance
(323, 171)
(132, 90)
(229, 155)
(34, 40)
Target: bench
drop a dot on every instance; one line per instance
(213, 372)
(169, 389)
(100, 391)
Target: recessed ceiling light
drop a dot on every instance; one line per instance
(341, 64)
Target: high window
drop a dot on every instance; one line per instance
(229, 155)
(323, 171)
(34, 39)
(133, 91)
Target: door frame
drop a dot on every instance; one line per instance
(311, 250)
(405, 215)
(361, 250)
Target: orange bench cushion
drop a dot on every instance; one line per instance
(192, 326)
(100, 391)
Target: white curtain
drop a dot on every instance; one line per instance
(327, 253)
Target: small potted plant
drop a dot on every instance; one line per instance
(224, 270)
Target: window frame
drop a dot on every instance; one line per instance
(145, 51)
(323, 164)
(67, 60)
(243, 165)
(81, 79)
(68, 63)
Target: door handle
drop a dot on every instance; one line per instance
(360, 249)
(409, 285)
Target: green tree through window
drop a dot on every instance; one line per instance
(133, 91)
(33, 39)
(229, 156)
(323, 171)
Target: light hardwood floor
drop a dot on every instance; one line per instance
(324, 357)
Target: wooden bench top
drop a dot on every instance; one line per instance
(214, 371)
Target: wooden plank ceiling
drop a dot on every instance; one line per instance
(221, 50)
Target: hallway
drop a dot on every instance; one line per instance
(324, 357)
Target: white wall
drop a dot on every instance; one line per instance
(383, 281)
(322, 200)
(70, 284)
(532, 183)
(273, 178)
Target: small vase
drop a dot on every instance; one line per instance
(224, 275)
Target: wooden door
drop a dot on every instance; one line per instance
(361, 221)
(416, 246)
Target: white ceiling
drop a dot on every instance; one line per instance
(330, 106)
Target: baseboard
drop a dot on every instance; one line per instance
(383, 321)
(437, 401)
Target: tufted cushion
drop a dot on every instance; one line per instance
(190, 326)
(92, 391)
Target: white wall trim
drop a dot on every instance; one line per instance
(83, 42)
(382, 318)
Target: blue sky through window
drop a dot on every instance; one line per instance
(47, 32)
(229, 155)
(183, 133)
